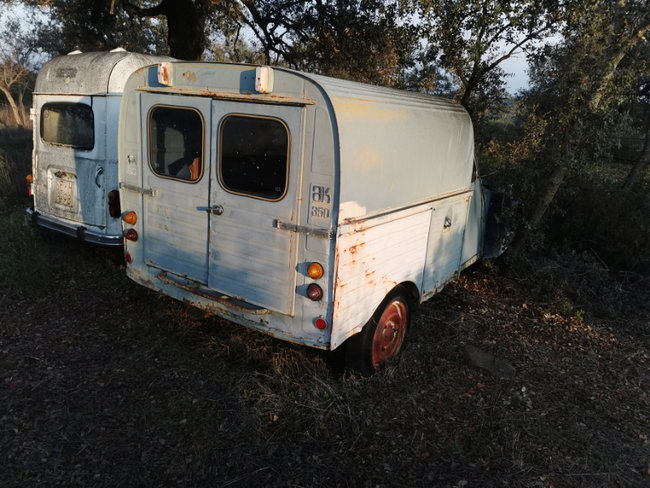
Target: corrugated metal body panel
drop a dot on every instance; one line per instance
(373, 258)
(91, 73)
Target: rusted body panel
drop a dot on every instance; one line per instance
(74, 164)
(378, 190)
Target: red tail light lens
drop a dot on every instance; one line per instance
(128, 258)
(131, 235)
(321, 324)
(114, 204)
(30, 180)
(314, 292)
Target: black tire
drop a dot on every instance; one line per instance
(381, 339)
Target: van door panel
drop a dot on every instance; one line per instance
(445, 243)
(175, 230)
(249, 258)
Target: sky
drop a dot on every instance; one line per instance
(517, 66)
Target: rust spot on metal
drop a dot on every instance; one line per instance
(354, 250)
(190, 76)
(221, 299)
(164, 73)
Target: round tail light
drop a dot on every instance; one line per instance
(314, 292)
(131, 235)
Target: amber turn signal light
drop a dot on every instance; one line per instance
(315, 271)
(130, 218)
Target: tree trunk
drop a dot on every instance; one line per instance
(623, 48)
(185, 26)
(14, 108)
(554, 182)
(636, 173)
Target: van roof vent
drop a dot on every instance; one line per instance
(118, 50)
(76, 51)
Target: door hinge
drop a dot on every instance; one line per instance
(137, 189)
(305, 229)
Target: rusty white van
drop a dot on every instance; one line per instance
(317, 210)
(74, 161)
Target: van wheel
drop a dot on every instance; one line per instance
(381, 338)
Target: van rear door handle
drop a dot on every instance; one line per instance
(98, 173)
(214, 209)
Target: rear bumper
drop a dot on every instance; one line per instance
(73, 230)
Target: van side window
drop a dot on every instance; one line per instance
(176, 142)
(254, 156)
(68, 124)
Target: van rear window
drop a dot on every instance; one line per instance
(176, 142)
(254, 156)
(68, 124)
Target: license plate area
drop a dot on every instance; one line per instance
(63, 186)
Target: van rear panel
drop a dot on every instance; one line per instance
(71, 165)
(233, 235)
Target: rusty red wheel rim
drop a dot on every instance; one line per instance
(389, 333)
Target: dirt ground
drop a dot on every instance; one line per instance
(106, 384)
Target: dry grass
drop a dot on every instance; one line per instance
(105, 383)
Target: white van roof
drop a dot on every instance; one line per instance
(92, 73)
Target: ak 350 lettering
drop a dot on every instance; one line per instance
(321, 202)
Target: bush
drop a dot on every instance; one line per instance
(15, 164)
(596, 215)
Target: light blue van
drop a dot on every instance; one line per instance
(74, 161)
(317, 210)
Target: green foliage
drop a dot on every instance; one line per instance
(62, 26)
(469, 39)
(369, 41)
(336, 35)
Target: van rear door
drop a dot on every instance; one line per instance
(175, 183)
(70, 158)
(258, 165)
